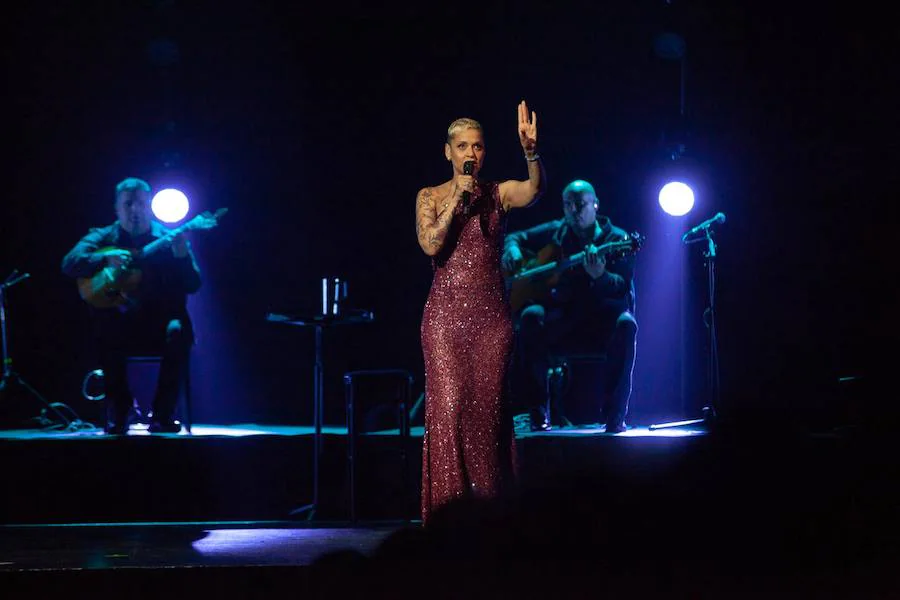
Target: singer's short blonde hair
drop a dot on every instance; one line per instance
(460, 125)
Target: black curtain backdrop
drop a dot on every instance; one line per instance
(317, 126)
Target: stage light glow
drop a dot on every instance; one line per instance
(676, 198)
(170, 205)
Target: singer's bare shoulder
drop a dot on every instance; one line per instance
(427, 196)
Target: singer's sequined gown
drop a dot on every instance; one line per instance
(466, 340)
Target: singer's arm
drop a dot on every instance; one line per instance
(518, 194)
(434, 213)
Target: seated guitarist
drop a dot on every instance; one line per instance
(154, 320)
(588, 308)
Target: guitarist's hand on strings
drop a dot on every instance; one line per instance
(512, 259)
(115, 257)
(594, 262)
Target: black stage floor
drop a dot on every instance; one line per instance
(740, 512)
(252, 429)
(242, 472)
(199, 544)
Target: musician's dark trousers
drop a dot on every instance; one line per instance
(544, 334)
(121, 336)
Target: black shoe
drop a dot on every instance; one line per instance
(135, 416)
(116, 429)
(538, 420)
(616, 427)
(164, 427)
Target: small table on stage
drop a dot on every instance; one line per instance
(319, 322)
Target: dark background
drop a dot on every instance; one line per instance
(317, 126)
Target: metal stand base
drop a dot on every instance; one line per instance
(318, 323)
(311, 508)
(10, 379)
(707, 420)
(318, 406)
(709, 318)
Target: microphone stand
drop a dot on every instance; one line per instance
(709, 319)
(10, 378)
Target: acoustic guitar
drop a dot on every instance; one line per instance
(111, 287)
(541, 272)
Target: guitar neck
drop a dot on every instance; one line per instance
(567, 262)
(201, 222)
(550, 267)
(164, 241)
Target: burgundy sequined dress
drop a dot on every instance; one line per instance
(466, 340)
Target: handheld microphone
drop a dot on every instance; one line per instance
(718, 218)
(468, 168)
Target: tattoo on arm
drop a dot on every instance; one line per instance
(431, 226)
(424, 211)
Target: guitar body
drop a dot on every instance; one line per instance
(113, 287)
(110, 287)
(539, 274)
(535, 289)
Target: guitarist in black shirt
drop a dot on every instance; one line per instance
(144, 312)
(585, 308)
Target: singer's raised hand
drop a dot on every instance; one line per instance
(514, 193)
(527, 129)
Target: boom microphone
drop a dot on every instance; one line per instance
(718, 218)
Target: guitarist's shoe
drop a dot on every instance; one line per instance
(164, 427)
(116, 428)
(620, 427)
(538, 420)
